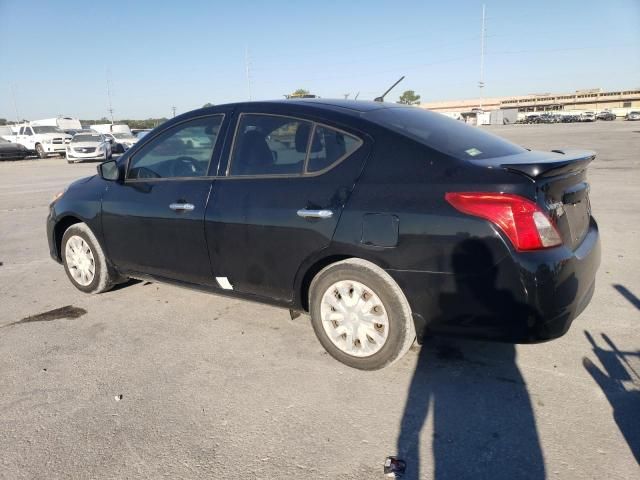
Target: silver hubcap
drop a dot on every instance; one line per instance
(354, 318)
(80, 260)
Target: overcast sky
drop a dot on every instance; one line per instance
(56, 55)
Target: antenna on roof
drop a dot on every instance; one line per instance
(381, 97)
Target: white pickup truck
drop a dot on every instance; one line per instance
(43, 139)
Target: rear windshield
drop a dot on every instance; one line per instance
(444, 134)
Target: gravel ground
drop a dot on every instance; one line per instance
(154, 381)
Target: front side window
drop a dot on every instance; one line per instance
(330, 146)
(182, 151)
(269, 145)
(26, 131)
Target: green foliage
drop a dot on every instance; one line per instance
(148, 123)
(300, 92)
(3, 121)
(409, 97)
(208, 104)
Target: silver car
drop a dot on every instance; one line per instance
(88, 146)
(635, 115)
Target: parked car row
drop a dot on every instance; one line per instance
(567, 117)
(588, 116)
(57, 136)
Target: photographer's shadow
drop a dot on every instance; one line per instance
(483, 421)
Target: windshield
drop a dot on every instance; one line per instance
(443, 134)
(123, 136)
(47, 129)
(86, 138)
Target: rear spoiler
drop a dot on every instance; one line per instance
(537, 164)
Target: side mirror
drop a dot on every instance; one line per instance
(109, 171)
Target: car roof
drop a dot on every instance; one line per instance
(349, 107)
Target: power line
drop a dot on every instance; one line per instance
(247, 65)
(109, 95)
(15, 104)
(482, 34)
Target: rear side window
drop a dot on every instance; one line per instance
(443, 134)
(328, 147)
(269, 145)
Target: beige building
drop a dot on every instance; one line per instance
(620, 102)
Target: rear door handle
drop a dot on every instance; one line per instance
(182, 206)
(304, 213)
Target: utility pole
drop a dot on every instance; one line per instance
(109, 95)
(173, 109)
(247, 66)
(15, 104)
(482, 38)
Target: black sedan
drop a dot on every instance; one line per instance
(383, 222)
(605, 115)
(12, 151)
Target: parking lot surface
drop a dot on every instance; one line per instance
(155, 381)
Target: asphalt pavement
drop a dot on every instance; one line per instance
(155, 381)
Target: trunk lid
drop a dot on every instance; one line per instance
(560, 177)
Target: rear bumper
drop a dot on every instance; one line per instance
(526, 297)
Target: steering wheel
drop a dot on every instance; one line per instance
(184, 167)
(144, 172)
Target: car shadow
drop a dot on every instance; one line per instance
(479, 406)
(620, 382)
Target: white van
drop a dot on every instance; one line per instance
(66, 124)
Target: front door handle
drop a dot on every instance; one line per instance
(304, 213)
(182, 206)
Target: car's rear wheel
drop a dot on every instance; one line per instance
(40, 151)
(84, 260)
(360, 315)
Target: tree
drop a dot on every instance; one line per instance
(3, 121)
(409, 97)
(208, 104)
(300, 92)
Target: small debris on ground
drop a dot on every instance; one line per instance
(117, 398)
(394, 467)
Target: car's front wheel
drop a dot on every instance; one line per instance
(360, 315)
(40, 151)
(84, 260)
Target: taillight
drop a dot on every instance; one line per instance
(520, 219)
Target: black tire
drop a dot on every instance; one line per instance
(40, 151)
(104, 277)
(401, 333)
